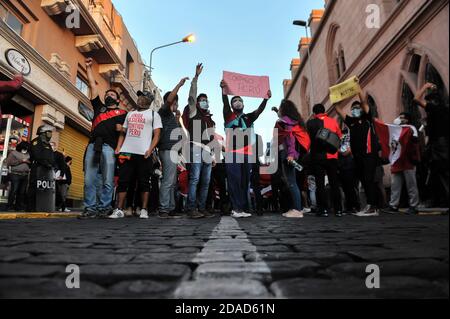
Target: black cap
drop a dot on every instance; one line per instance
(147, 94)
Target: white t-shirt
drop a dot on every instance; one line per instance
(140, 131)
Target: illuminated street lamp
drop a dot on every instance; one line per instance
(187, 39)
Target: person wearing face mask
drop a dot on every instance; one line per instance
(169, 156)
(365, 148)
(240, 149)
(404, 169)
(323, 161)
(198, 121)
(43, 163)
(137, 142)
(18, 162)
(438, 138)
(347, 178)
(99, 156)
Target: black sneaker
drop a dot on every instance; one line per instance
(163, 215)
(391, 210)
(104, 213)
(412, 211)
(207, 214)
(175, 215)
(88, 214)
(339, 214)
(195, 215)
(323, 213)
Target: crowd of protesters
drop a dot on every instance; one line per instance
(181, 166)
(173, 163)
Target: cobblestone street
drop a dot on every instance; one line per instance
(267, 257)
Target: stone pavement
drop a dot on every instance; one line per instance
(261, 257)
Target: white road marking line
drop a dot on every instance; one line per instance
(221, 263)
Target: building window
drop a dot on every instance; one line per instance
(342, 59)
(338, 67)
(410, 106)
(333, 63)
(417, 69)
(82, 85)
(86, 112)
(305, 97)
(11, 20)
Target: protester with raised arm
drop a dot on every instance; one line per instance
(198, 121)
(365, 147)
(170, 136)
(106, 127)
(240, 148)
(431, 100)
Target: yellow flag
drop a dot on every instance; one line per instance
(345, 90)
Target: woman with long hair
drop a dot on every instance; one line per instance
(293, 144)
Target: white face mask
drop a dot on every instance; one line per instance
(357, 113)
(204, 105)
(238, 105)
(24, 151)
(397, 121)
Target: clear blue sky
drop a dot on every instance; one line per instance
(253, 37)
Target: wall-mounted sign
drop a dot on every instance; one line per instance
(18, 61)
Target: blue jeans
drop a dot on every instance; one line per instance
(92, 172)
(199, 179)
(289, 176)
(169, 181)
(238, 178)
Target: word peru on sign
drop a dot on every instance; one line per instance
(246, 85)
(18, 61)
(345, 90)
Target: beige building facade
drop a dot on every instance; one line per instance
(52, 38)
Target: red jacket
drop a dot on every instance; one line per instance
(319, 122)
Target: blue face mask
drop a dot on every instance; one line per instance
(356, 113)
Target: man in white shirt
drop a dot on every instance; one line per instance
(140, 136)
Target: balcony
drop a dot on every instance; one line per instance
(90, 39)
(108, 70)
(88, 43)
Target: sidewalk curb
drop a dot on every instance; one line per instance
(8, 216)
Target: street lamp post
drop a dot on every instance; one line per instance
(190, 38)
(302, 23)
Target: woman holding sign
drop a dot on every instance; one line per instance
(239, 149)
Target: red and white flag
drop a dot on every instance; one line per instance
(397, 144)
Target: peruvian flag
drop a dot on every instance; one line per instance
(398, 144)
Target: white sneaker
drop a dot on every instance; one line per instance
(294, 214)
(369, 211)
(67, 210)
(307, 210)
(368, 214)
(117, 214)
(246, 215)
(143, 214)
(237, 214)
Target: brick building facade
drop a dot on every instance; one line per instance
(409, 47)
